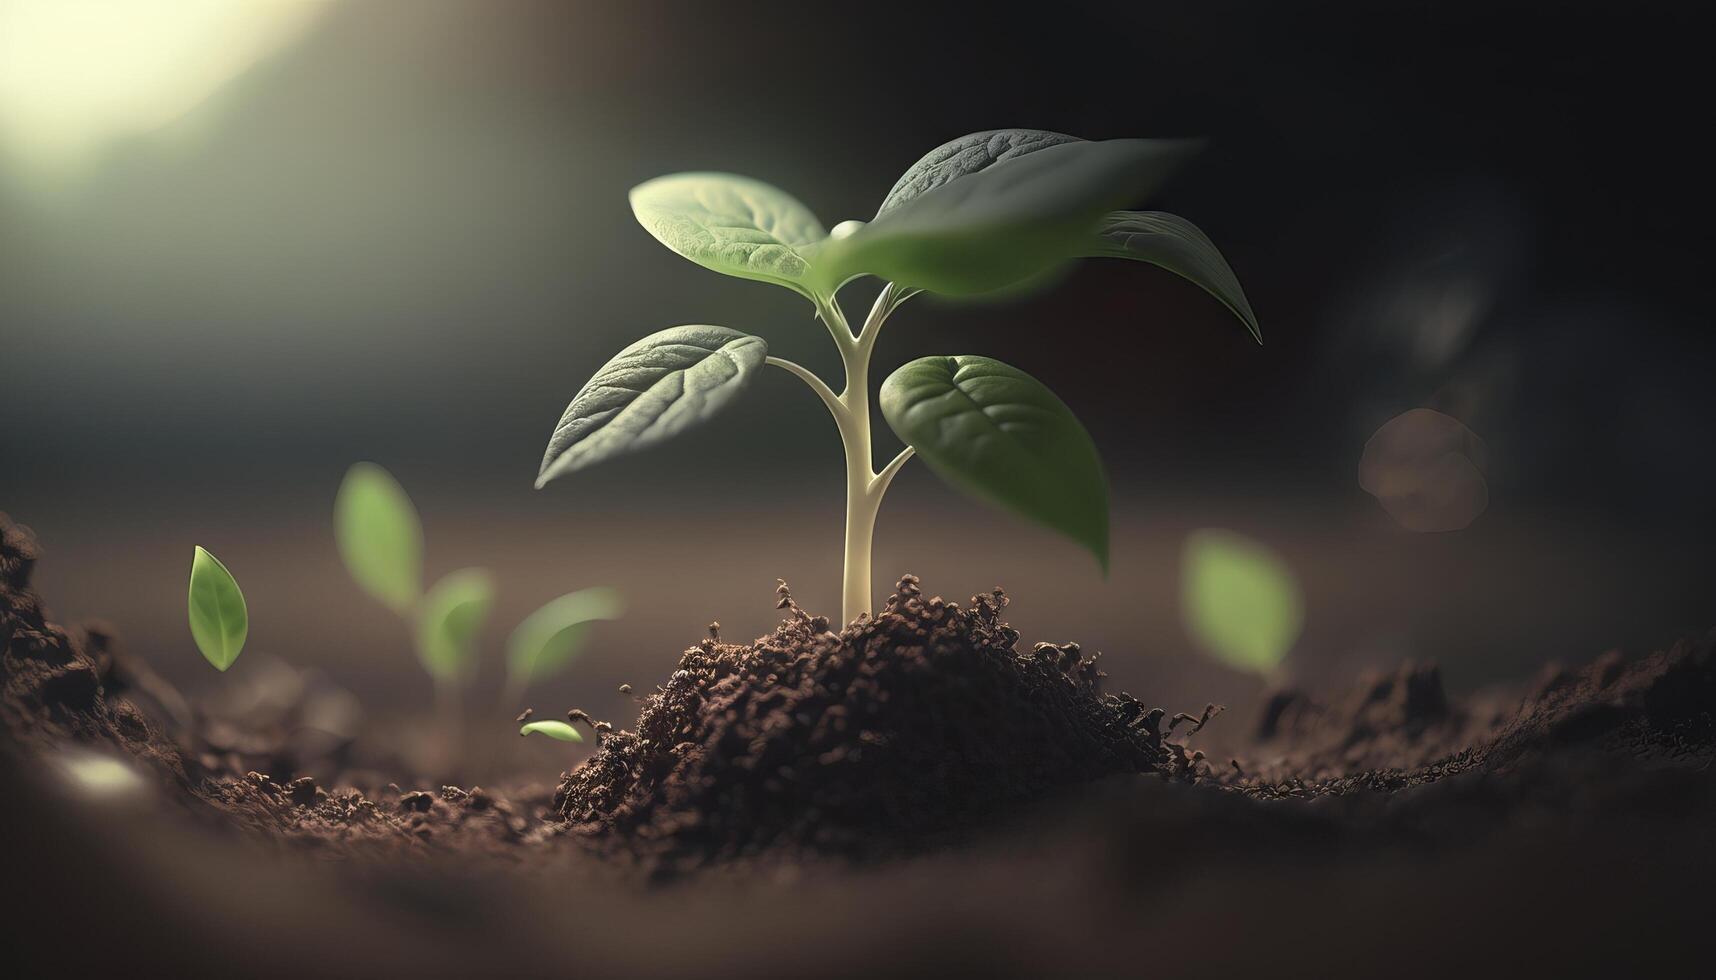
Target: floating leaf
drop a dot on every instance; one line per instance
(653, 390)
(1173, 243)
(380, 537)
(998, 434)
(451, 616)
(219, 620)
(548, 638)
(732, 224)
(1239, 599)
(553, 729)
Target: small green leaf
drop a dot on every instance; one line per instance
(452, 615)
(548, 638)
(1173, 243)
(553, 729)
(996, 433)
(219, 620)
(653, 390)
(974, 230)
(1239, 599)
(731, 224)
(380, 536)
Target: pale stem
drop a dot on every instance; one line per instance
(851, 411)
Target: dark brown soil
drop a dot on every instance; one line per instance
(1008, 816)
(882, 738)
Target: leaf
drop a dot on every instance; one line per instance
(219, 620)
(978, 231)
(1173, 243)
(653, 390)
(452, 615)
(547, 639)
(553, 729)
(380, 537)
(1239, 599)
(965, 156)
(734, 225)
(997, 434)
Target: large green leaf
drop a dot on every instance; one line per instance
(1175, 244)
(452, 615)
(996, 433)
(548, 638)
(380, 536)
(732, 224)
(1239, 599)
(653, 390)
(965, 156)
(979, 231)
(219, 620)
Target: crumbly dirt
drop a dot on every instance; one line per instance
(1008, 816)
(882, 738)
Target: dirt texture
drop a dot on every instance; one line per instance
(912, 790)
(881, 738)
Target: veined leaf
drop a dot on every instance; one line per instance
(979, 231)
(553, 729)
(219, 620)
(653, 390)
(380, 536)
(999, 435)
(549, 637)
(1175, 244)
(965, 156)
(452, 615)
(1239, 599)
(732, 224)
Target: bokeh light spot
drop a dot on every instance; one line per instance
(1427, 471)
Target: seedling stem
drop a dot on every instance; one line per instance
(851, 411)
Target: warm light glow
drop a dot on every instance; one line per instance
(75, 75)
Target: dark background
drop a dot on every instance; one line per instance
(404, 237)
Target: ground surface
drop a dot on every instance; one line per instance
(911, 789)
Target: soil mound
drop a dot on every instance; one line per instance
(52, 679)
(880, 737)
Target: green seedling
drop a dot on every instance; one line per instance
(547, 640)
(219, 620)
(380, 538)
(1239, 600)
(985, 214)
(553, 729)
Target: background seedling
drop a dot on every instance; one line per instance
(380, 538)
(220, 622)
(988, 212)
(1240, 601)
(546, 640)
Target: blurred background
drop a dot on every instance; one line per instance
(245, 244)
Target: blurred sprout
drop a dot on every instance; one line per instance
(219, 620)
(548, 638)
(451, 616)
(1239, 599)
(380, 536)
